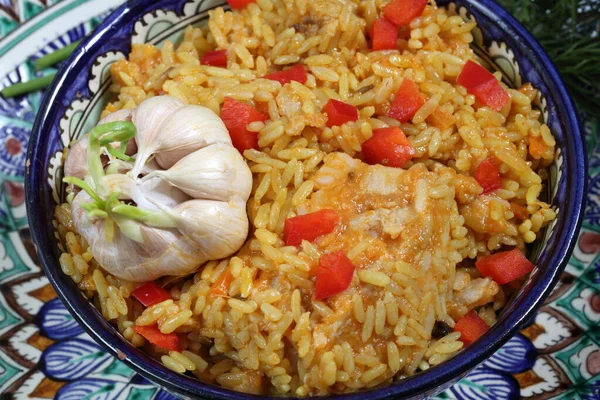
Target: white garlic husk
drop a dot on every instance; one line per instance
(75, 164)
(218, 227)
(219, 172)
(170, 130)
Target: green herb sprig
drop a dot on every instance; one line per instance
(569, 31)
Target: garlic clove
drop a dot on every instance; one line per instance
(218, 228)
(85, 226)
(157, 191)
(161, 252)
(151, 166)
(148, 118)
(119, 183)
(146, 194)
(119, 115)
(186, 130)
(219, 172)
(75, 164)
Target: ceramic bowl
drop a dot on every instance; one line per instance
(73, 103)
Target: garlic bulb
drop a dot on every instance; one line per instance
(177, 203)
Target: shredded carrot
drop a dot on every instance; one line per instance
(441, 119)
(537, 147)
(519, 211)
(221, 287)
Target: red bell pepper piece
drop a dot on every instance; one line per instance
(334, 274)
(505, 266)
(309, 226)
(239, 3)
(296, 73)
(236, 116)
(471, 327)
(384, 34)
(338, 112)
(217, 58)
(401, 12)
(150, 293)
(488, 175)
(473, 75)
(221, 287)
(406, 102)
(483, 85)
(167, 341)
(388, 146)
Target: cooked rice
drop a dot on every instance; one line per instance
(269, 335)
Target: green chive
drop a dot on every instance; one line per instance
(27, 87)
(78, 182)
(118, 154)
(153, 218)
(99, 214)
(54, 57)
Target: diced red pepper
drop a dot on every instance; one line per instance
(309, 226)
(473, 75)
(296, 73)
(488, 175)
(236, 116)
(217, 58)
(505, 266)
(221, 287)
(239, 3)
(483, 85)
(388, 146)
(471, 328)
(384, 34)
(406, 102)
(334, 274)
(167, 341)
(401, 12)
(338, 112)
(150, 293)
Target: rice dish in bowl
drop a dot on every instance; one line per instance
(377, 297)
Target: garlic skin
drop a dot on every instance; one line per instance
(75, 164)
(188, 129)
(179, 202)
(162, 252)
(170, 130)
(148, 118)
(219, 228)
(219, 172)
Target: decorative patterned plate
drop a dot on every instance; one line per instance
(45, 354)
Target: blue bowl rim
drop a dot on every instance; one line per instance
(451, 369)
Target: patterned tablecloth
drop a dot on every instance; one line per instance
(45, 354)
